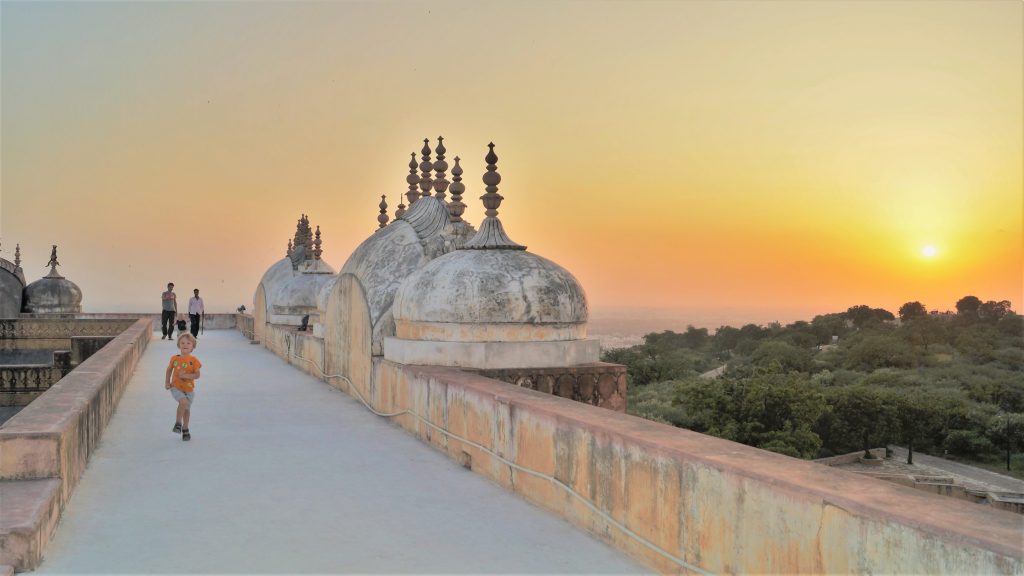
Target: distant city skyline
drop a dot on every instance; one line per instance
(782, 158)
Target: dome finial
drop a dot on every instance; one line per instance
(425, 167)
(440, 167)
(491, 235)
(491, 178)
(383, 217)
(400, 211)
(413, 180)
(456, 207)
(17, 255)
(53, 264)
(316, 243)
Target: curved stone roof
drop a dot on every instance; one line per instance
(53, 294)
(491, 287)
(274, 278)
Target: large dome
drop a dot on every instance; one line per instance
(491, 305)
(491, 287)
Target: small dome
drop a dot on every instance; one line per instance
(53, 294)
(491, 287)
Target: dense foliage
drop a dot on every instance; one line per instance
(943, 383)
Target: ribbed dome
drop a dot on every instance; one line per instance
(53, 294)
(491, 286)
(301, 290)
(274, 278)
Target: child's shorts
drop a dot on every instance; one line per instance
(178, 395)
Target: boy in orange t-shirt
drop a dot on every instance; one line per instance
(180, 379)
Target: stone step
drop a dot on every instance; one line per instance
(29, 512)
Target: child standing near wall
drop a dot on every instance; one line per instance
(180, 379)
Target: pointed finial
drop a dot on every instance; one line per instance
(425, 167)
(456, 207)
(491, 235)
(491, 178)
(440, 167)
(316, 245)
(289, 252)
(413, 180)
(401, 208)
(383, 218)
(17, 255)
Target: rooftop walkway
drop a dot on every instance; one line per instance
(285, 474)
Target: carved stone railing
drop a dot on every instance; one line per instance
(54, 328)
(19, 385)
(599, 384)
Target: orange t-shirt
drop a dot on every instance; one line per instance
(184, 365)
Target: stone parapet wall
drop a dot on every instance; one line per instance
(695, 503)
(598, 384)
(244, 323)
(53, 437)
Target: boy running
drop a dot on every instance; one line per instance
(180, 379)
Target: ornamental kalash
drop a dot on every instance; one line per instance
(430, 289)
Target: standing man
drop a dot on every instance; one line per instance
(195, 309)
(169, 301)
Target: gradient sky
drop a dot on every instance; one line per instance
(774, 158)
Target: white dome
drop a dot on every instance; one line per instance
(273, 279)
(491, 287)
(298, 295)
(53, 294)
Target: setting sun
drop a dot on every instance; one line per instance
(929, 251)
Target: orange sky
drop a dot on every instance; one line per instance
(765, 156)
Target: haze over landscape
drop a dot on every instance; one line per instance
(711, 163)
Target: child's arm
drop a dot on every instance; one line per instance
(167, 378)
(190, 375)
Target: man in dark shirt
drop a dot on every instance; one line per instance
(169, 301)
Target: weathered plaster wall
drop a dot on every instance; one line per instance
(348, 332)
(44, 448)
(716, 505)
(259, 312)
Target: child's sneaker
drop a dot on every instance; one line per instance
(185, 435)
(177, 428)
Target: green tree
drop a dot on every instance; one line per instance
(912, 310)
(780, 356)
(967, 307)
(992, 311)
(863, 414)
(1011, 324)
(879, 351)
(917, 416)
(1006, 429)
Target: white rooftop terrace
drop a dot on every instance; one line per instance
(285, 474)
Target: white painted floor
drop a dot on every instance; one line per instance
(287, 475)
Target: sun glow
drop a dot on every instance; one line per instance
(929, 251)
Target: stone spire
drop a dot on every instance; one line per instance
(425, 167)
(17, 255)
(53, 264)
(491, 235)
(456, 207)
(440, 167)
(316, 243)
(383, 217)
(401, 208)
(413, 180)
(289, 252)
